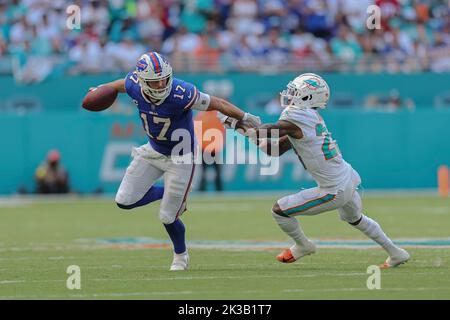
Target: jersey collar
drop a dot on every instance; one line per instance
(149, 101)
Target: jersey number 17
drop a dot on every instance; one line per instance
(157, 120)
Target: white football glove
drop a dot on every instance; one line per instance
(252, 119)
(228, 122)
(251, 134)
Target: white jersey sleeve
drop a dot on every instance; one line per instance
(303, 119)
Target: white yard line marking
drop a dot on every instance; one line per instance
(28, 281)
(192, 278)
(96, 295)
(260, 276)
(235, 292)
(362, 289)
(128, 294)
(11, 281)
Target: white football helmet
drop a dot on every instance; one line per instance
(151, 67)
(308, 90)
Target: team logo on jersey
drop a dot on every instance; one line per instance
(141, 65)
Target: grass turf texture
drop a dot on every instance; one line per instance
(38, 241)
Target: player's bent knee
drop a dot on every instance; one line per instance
(124, 206)
(166, 218)
(355, 222)
(276, 209)
(122, 203)
(352, 219)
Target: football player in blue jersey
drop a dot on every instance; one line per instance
(165, 108)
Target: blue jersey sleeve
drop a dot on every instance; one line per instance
(131, 83)
(184, 93)
(192, 95)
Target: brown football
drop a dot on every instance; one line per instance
(99, 98)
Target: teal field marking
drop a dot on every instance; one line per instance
(145, 242)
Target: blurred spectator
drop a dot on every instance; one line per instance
(221, 35)
(355, 12)
(195, 14)
(346, 46)
(87, 56)
(391, 102)
(439, 54)
(150, 19)
(245, 56)
(317, 20)
(244, 15)
(273, 12)
(181, 42)
(127, 53)
(208, 51)
(276, 49)
(50, 176)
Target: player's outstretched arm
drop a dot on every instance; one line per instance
(272, 138)
(275, 147)
(279, 129)
(118, 84)
(228, 109)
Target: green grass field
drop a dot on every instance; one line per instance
(39, 239)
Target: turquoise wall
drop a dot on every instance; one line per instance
(398, 150)
(65, 94)
(390, 150)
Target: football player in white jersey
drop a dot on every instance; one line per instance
(302, 129)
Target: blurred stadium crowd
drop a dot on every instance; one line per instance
(222, 35)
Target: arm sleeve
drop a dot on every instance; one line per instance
(202, 102)
(129, 84)
(192, 96)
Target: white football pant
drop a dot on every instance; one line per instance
(317, 200)
(146, 168)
